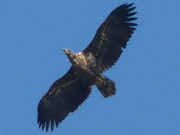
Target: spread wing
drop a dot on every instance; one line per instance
(63, 97)
(111, 37)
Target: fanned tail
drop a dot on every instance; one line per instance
(106, 86)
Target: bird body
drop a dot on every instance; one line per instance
(84, 66)
(70, 91)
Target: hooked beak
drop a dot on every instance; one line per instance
(65, 50)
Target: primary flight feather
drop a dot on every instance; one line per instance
(68, 92)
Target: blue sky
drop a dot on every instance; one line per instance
(147, 76)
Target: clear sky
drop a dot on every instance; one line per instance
(147, 76)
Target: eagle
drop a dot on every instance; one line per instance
(70, 91)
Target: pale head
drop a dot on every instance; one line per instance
(71, 55)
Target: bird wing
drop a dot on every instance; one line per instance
(63, 97)
(111, 37)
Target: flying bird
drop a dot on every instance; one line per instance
(69, 92)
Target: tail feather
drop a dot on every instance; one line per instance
(106, 87)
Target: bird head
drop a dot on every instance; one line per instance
(71, 55)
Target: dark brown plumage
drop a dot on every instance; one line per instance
(68, 92)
